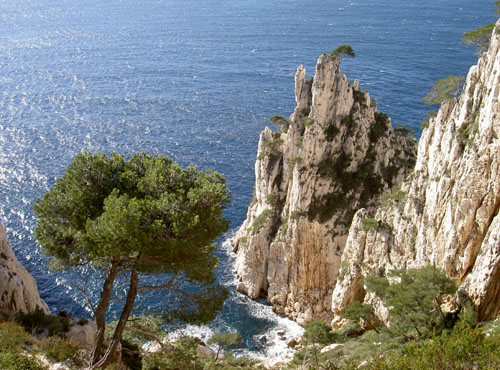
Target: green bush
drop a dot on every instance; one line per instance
(369, 224)
(281, 122)
(464, 348)
(395, 194)
(60, 350)
(180, 354)
(318, 332)
(13, 337)
(444, 89)
(19, 361)
(37, 321)
(225, 340)
(414, 300)
(273, 199)
(260, 221)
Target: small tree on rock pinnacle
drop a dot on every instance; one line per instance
(343, 51)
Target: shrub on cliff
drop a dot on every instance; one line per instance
(130, 219)
(225, 340)
(444, 89)
(414, 298)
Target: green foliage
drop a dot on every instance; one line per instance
(180, 354)
(369, 224)
(37, 321)
(395, 195)
(343, 51)
(380, 127)
(444, 89)
(466, 132)
(308, 121)
(464, 348)
(273, 199)
(468, 315)
(60, 350)
(480, 37)
(260, 221)
(402, 130)
(254, 197)
(294, 161)
(281, 122)
(273, 144)
(225, 340)
(139, 330)
(359, 96)
(318, 332)
(357, 312)
(332, 130)
(16, 361)
(300, 140)
(296, 214)
(347, 121)
(426, 121)
(364, 181)
(141, 216)
(13, 337)
(414, 300)
(343, 270)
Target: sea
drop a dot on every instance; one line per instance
(196, 80)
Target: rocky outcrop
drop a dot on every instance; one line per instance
(335, 155)
(446, 213)
(18, 290)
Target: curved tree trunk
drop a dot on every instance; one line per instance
(117, 335)
(100, 312)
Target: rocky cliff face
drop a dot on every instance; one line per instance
(18, 290)
(335, 155)
(446, 213)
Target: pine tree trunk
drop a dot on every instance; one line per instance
(122, 322)
(100, 312)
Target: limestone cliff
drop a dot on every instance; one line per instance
(446, 213)
(335, 155)
(18, 290)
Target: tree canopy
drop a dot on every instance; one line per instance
(133, 218)
(343, 51)
(444, 89)
(481, 36)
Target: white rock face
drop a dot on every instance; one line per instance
(448, 214)
(18, 290)
(338, 155)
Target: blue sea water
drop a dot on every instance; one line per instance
(196, 80)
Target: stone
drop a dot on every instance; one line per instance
(292, 343)
(330, 347)
(18, 289)
(273, 363)
(448, 215)
(83, 334)
(339, 154)
(204, 351)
